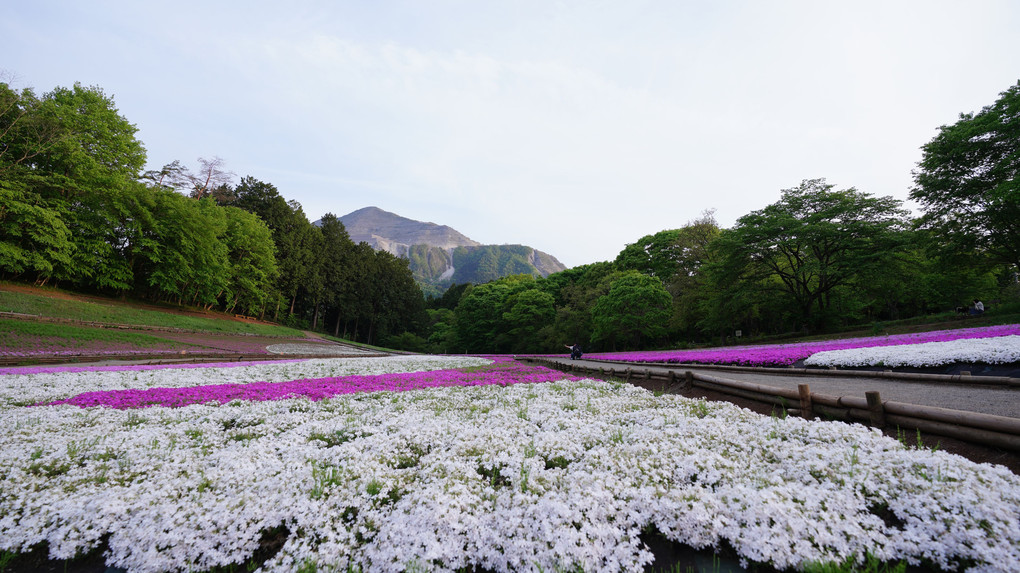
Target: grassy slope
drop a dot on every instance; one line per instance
(54, 304)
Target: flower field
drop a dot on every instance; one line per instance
(1002, 347)
(447, 463)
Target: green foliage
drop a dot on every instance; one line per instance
(967, 182)
(870, 564)
(812, 245)
(633, 313)
(490, 262)
(251, 261)
(33, 238)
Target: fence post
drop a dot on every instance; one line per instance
(688, 381)
(876, 410)
(806, 410)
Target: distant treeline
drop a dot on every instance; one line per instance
(76, 209)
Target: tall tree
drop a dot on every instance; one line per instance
(33, 238)
(337, 268)
(968, 181)
(812, 242)
(634, 312)
(251, 255)
(87, 173)
(293, 235)
(676, 257)
(24, 131)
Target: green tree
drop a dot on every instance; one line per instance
(810, 245)
(968, 185)
(251, 256)
(575, 291)
(676, 257)
(88, 172)
(184, 256)
(395, 302)
(483, 311)
(25, 132)
(33, 237)
(527, 312)
(634, 312)
(337, 267)
(293, 235)
(442, 337)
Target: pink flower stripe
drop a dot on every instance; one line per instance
(503, 372)
(133, 367)
(788, 354)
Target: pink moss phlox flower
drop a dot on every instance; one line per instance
(503, 372)
(788, 354)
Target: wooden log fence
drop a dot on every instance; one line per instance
(985, 429)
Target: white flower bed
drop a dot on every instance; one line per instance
(525, 477)
(997, 350)
(25, 389)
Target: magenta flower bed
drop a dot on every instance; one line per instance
(503, 372)
(789, 354)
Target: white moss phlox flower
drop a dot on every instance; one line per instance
(525, 477)
(997, 350)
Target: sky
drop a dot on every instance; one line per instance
(572, 127)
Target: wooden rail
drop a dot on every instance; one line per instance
(986, 429)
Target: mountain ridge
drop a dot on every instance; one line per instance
(440, 255)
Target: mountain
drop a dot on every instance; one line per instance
(387, 231)
(440, 255)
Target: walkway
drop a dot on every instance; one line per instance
(1000, 400)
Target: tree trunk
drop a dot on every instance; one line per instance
(336, 329)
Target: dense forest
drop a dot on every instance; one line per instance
(77, 210)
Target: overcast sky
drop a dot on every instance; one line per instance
(571, 127)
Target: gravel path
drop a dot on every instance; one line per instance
(968, 396)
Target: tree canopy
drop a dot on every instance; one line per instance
(968, 181)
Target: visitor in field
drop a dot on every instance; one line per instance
(575, 350)
(978, 307)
